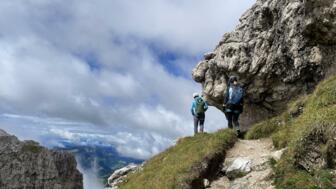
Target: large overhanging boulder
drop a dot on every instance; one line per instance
(280, 49)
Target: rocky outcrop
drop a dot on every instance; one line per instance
(280, 49)
(28, 165)
(119, 175)
(316, 150)
(236, 167)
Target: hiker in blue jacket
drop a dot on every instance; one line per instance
(233, 103)
(198, 108)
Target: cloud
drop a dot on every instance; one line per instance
(90, 178)
(88, 67)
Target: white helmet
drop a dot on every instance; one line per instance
(195, 95)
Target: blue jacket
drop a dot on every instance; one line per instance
(193, 106)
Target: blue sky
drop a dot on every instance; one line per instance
(113, 72)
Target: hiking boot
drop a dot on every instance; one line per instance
(238, 133)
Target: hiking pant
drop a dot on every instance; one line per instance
(232, 119)
(199, 120)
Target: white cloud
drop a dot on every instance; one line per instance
(90, 178)
(94, 65)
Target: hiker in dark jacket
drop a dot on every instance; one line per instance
(198, 108)
(233, 103)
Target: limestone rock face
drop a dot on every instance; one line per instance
(317, 149)
(28, 165)
(280, 49)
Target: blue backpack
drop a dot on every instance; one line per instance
(235, 95)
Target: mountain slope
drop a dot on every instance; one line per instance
(308, 129)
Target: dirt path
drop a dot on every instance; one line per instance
(251, 156)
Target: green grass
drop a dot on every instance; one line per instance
(310, 120)
(264, 129)
(31, 147)
(182, 164)
(268, 127)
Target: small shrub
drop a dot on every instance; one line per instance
(33, 148)
(263, 129)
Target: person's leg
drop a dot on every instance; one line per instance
(196, 120)
(229, 119)
(235, 119)
(202, 124)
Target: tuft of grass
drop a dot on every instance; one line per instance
(236, 175)
(181, 165)
(264, 129)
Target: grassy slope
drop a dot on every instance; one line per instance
(307, 119)
(181, 164)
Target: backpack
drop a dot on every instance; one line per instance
(235, 95)
(199, 105)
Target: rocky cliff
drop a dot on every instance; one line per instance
(280, 49)
(28, 165)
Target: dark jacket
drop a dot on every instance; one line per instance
(236, 108)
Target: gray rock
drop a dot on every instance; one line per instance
(209, 55)
(277, 154)
(280, 49)
(119, 175)
(206, 183)
(28, 165)
(237, 167)
(317, 148)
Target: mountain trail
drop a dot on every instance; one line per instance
(247, 166)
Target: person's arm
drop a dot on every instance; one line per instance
(226, 95)
(192, 108)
